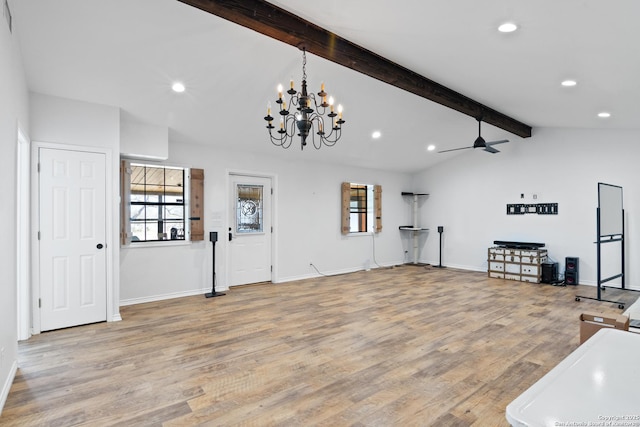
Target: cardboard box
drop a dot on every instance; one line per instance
(591, 323)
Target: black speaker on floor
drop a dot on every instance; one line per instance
(549, 272)
(213, 237)
(571, 268)
(440, 230)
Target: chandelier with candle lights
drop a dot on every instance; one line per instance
(309, 119)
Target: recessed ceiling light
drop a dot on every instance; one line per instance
(507, 27)
(604, 115)
(178, 87)
(376, 134)
(431, 147)
(569, 83)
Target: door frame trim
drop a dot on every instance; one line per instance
(35, 226)
(274, 220)
(23, 234)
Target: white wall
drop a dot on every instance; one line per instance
(307, 227)
(143, 141)
(70, 122)
(13, 113)
(469, 194)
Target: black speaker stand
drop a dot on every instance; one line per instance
(213, 236)
(440, 230)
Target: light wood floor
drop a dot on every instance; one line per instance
(390, 347)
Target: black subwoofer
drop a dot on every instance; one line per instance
(549, 272)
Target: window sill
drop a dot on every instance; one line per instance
(157, 244)
(362, 234)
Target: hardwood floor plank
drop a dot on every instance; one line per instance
(403, 346)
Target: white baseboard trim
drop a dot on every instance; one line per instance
(333, 272)
(7, 385)
(162, 297)
(294, 278)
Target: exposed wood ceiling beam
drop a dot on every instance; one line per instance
(284, 26)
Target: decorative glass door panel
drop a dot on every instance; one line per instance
(249, 208)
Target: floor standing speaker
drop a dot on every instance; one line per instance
(571, 267)
(440, 230)
(213, 237)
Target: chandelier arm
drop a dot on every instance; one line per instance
(330, 142)
(333, 136)
(286, 138)
(282, 141)
(315, 121)
(329, 139)
(316, 145)
(321, 109)
(331, 129)
(312, 97)
(295, 100)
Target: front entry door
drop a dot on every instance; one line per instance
(250, 230)
(72, 246)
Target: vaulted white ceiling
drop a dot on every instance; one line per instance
(127, 53)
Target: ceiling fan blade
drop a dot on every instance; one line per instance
(502, 141)
(490, 149)
(454, 149)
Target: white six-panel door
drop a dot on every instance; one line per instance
(72, 242)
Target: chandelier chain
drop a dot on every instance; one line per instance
(304, 64)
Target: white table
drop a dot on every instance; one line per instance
(597, 384)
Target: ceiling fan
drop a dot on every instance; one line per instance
(480, 142)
